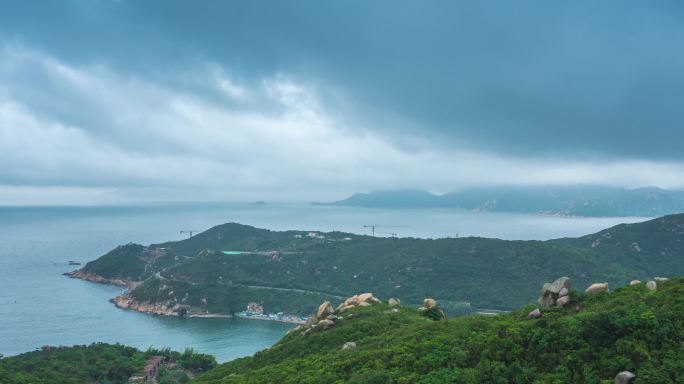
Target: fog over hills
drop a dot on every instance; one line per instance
(553, 200)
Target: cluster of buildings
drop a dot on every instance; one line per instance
(318, 236)
(255, 311)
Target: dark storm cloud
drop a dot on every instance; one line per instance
(531, 77)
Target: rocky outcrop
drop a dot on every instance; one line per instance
(393, 302)
(349, 345)
(362, 300)
(660, 279)
(325, 317)
(597, 288)
(624, 377)
(127, 302)
(555, 294)
(325, 324)
(95, 278)
(169, 308)
(563, 301)
(429, 303)
(324, 310)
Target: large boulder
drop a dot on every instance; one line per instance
(660, 279)
(551, 292)
(365, 297)
(651, 285)
(558, 285)
(635, 282)
(325, 324)
(429, 303)
(393, 302)
(362, 300)
(597, 288)
(563, 301)
(324, 310)
(534, 314)
(349, 345)
(624, 377)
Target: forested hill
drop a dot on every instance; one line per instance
(224, 268)
(590, 340)
(100, 363)
(556, 200)
(654, 247)
(632, 331)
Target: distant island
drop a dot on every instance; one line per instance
(587, 201)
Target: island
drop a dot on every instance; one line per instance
(576, 200)
(221, 271)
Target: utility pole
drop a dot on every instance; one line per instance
(373, 226)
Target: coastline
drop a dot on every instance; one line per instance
(95, 278)
(171, 309)
(168, 309)
(289, 319)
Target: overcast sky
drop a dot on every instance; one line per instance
(109, 102)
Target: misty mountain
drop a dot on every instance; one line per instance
(553, 200)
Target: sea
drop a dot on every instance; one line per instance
(41, 307)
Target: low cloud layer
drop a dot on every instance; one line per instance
(146, 141)
(261, 109)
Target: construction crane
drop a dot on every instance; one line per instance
(373, 226)
(188, 231)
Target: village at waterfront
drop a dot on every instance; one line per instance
(255, 311)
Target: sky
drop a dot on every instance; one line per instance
(115, 102)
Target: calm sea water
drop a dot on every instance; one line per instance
(40, 306)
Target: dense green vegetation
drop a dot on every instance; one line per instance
(96, 363)
(564, 200)
(654, 247)
(123, 262)
(588, 341)
(289, 271)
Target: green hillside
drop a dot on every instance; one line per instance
(293, 272)
(588, 341)
(97, 363)
(654, 247)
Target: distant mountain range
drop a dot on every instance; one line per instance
(596, 201)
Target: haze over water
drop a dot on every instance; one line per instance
(43, 307)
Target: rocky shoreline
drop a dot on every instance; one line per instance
(95, 278)
(164, 309)
(172, 309)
